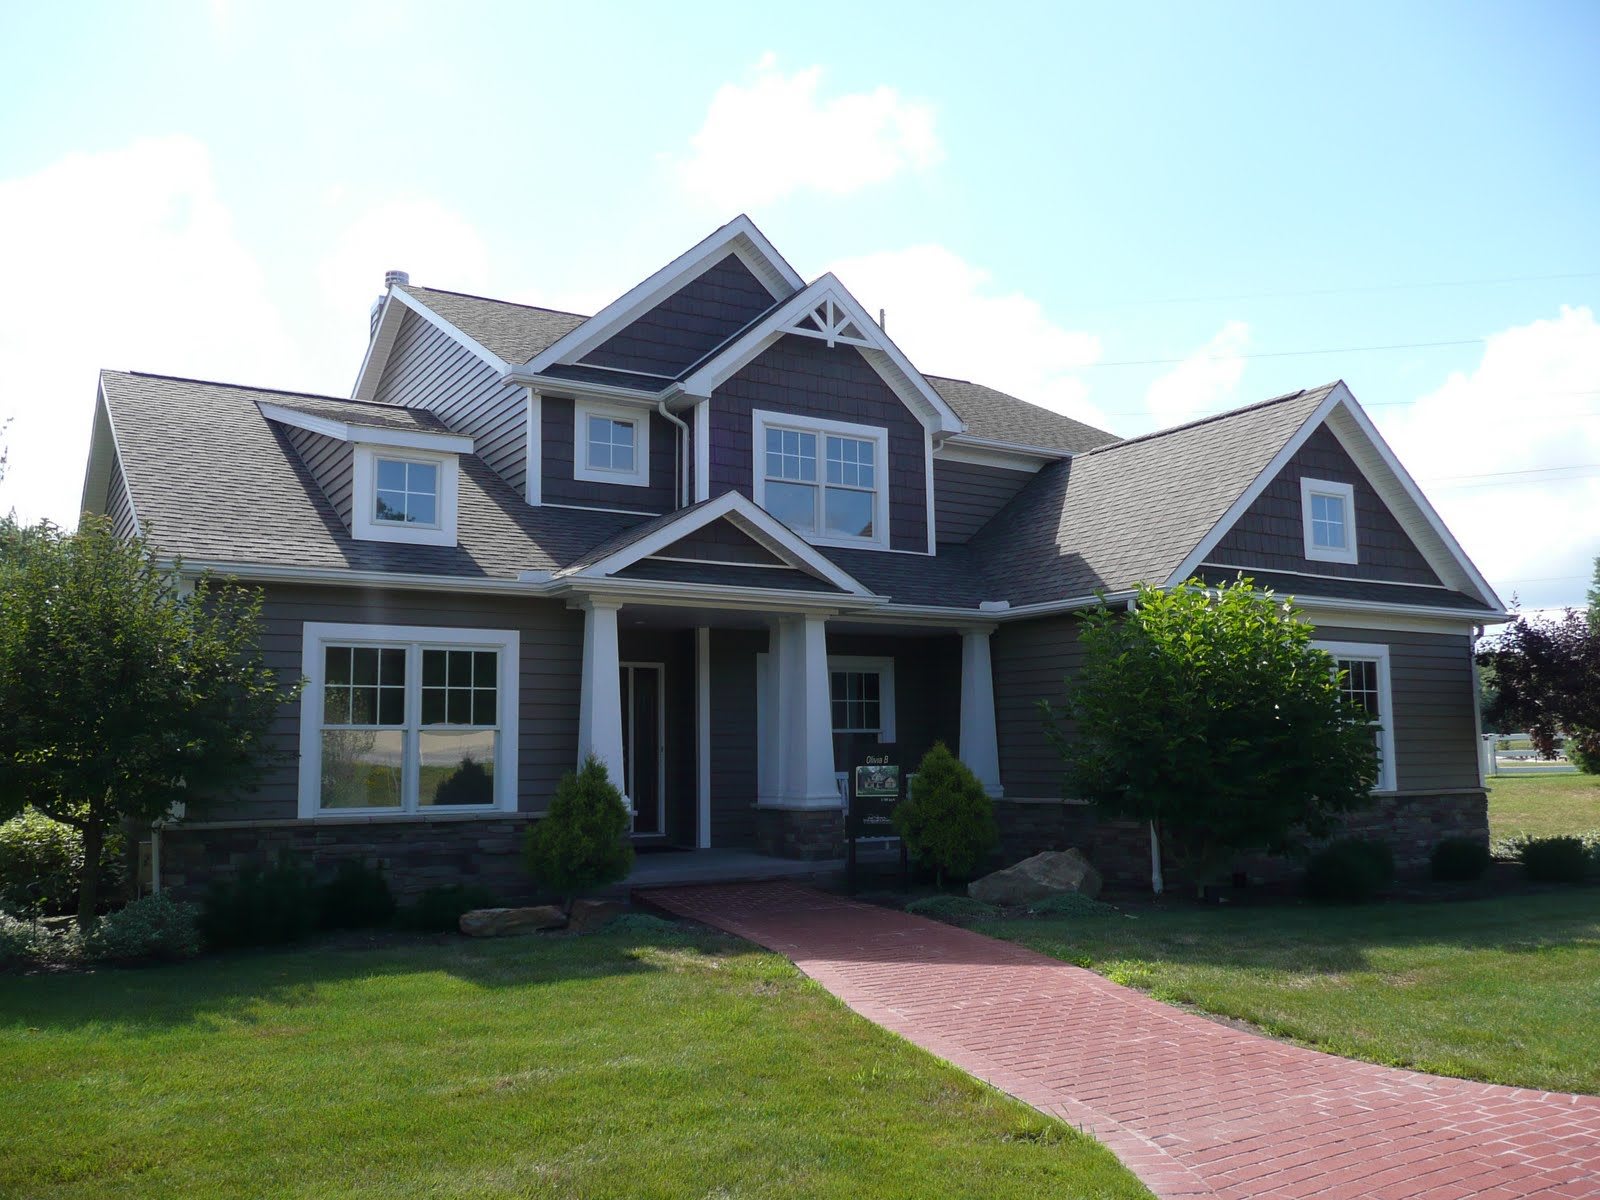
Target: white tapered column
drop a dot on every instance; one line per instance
(815, 717)
(980, 748)
(600, 702)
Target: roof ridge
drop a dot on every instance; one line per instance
(560, 312)
(1214, 417)
(243, 387)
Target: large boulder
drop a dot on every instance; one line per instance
(587, 916)
(1053, 873)
(503, 922)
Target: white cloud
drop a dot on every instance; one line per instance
(1528, 406)
(942, 312)
(1202, 383)
(437, 247)
(125, 259)
(773, 134)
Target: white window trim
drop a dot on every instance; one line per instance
(761, 420)
(318, 634)
(364, 495)
(639, 418)
(1377, 652)
(884, 669)
(1347, 495)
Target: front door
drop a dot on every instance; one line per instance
(644, 745)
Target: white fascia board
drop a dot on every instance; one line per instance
(996, 454)
(370, 435)
(677, 594)
(578, 389)
(739, 236)
(344, 577)
(885, 357)
(395, 306)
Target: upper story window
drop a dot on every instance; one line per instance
(1328, 514)
(824, 479)
(611, 444)
(404, 495)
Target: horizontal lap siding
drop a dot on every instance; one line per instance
(428, 369)
(559, 487)
(552, 654)
(117, 505)
(966, 495)
(1271, 533)
(1031, 660)
(733, 735)
(927, 688)
(331, 463)
(802, 376)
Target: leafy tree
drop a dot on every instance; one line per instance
(121, 693)
(948, 819)
(1207, 712)
(1548, 672)
(582, 842)
(1594, 597)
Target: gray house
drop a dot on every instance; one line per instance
(714, 533)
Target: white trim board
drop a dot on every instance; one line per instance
(355, 430)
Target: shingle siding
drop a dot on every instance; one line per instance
(804, 377)
(559, 487)
(428, 369)
(331, 463)
(721, 542)
(688, 324)
(967, 495)
(1271, 534)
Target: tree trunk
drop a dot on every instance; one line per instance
(94, 838)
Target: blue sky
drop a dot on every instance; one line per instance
(1035, 194)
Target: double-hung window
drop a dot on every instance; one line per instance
(611, 444)
(404, 494)
(1327, 511)
(861, 694)
(407, 720)
(407, 492)
(1363, 672)
(824, 479)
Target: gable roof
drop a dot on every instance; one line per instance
(514, 333)
(994, 416)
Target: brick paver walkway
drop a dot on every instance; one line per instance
(1194, 1107)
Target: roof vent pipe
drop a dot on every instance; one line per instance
(390, 278)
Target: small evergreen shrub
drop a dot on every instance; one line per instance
(1070, 904)
(954, 909)
(41, 864)
(1459, 860)
(1350, 871)
(948, 819)
(439, 909)
(582, 842)
(357, 897)
(1555, 859)
(261, 907)
(153, 927)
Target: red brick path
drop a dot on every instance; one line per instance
(1193, 1107)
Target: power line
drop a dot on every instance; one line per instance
(1161, 362)
(1522, 471)
(1359, 288)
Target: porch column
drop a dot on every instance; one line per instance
(980, 748)
(600, 701)
(805, 719)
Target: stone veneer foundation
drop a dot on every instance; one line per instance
(806, 834)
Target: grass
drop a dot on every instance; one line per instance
(1503, 990)
(636, 1064)
(1543, 805)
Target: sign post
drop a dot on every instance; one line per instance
(876, 786)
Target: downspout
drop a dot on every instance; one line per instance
(1157, 882)
(680, 476)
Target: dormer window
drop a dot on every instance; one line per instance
(1327, 511)
(823, 479)
(404, 495)
(611, 444)
(407, 493)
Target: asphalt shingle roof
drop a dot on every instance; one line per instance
(514, 332)
(359, 412)
(1285, 584)
(996, 417)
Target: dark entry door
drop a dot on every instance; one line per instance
(644, 751)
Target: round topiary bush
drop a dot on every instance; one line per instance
(1349, 871)
(1459, 860)
(948, 819)
(1555, 859)
(582, 842)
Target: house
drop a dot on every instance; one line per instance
(716, 532)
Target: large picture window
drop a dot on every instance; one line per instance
(823, 479)
(407, 719)
(1363, 672)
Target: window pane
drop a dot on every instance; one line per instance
(392, 667)
(456, 768)
(336, 664)
(391, 706)
(391, 506)
(433, 706)
(336, 705)
(485, 668)
(622, 456)
(433, 668)
(460, 674)
(483, 706)
(365, 660)
(793, 504)
(422, 510)
(364, 705)
(1327, 522)
(391, 475)
(622, 434)
(422, 478)
(849, 514)
(600, 455)
(458, 706)
(362, 768)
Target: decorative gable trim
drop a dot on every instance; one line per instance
(1354, 430)
(827, 310)
(371, 435)
(395, 306)
(745, 516)
(739, 236)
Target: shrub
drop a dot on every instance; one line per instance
(261, 907)
(581, 844)
(952, 908)
(41, 864)
(439, 909)
(1070, 904)
(1350, 871)
(153, 927)
(948, 820)
(1459, 860)
(357, 897)
(1555, 859)
(1583, 751)
(21, 940)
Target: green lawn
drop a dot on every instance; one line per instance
(615, 1065)
(1505, 990)
(1543, 805)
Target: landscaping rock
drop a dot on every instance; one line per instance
(1053, 873)
(504, 922)
(587, 916)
